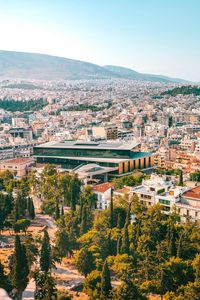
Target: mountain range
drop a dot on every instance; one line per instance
(23, 65)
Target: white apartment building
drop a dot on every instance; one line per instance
(104, 193)
(161, 189)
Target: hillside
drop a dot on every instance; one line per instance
(131, 74)
(183, 90)
(21, 65)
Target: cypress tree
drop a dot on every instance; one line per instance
(45, 286)
(181, 178)
(127, 222)
(111, 249)
(45, 257)
(3, 278)
(28, 203)
(20, 270)
(171, 240)
(83, 225)
(125, 240)
(111, 213)
(62, 211)
(80, 211)
(119, 221)
(31, 209)
(119, 245)
(106, 286)
(57, 212)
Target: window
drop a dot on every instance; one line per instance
(162, 201)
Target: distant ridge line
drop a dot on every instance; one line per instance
(24, 65)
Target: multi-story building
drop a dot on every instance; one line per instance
(108, 132)
(6, 152)
(162, 190)
(19, 166)
(122, 158)
(189, 206)
(104, 193)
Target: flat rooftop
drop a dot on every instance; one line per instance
(90, 145)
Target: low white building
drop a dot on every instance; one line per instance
(158, 189)
(189, 205)
(104, 194)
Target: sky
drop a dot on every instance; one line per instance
(149, 36)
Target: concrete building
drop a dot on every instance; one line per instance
(189, 206)
(122, 157)
(108, 132)
(103, 193)
(19, 166)
(162, 190)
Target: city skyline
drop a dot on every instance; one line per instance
(147, 36)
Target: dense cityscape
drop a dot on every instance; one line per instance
(99, 150)
(105, 176)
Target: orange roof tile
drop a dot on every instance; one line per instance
(124, 190)
(18, 160)
(102, 188)
(193, 193)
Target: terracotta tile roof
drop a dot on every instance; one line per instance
(38, 165)
(18, 160)
(196, 189)
(193, 193)
(102, 188)
(124, 190)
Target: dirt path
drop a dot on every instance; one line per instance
(66, 275)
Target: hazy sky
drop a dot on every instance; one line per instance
(152, 36)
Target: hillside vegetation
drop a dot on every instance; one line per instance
(18, 105)
(183, 90)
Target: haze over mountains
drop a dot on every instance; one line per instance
(22, 65)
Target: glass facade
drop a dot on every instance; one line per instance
(82, 152)
(70, 163)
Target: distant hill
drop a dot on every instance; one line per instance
(131, 74)
(183, 90)
(21, 65)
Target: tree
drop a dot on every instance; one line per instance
(75, 185)
(128, 290)
(62, 211)
(180, 178)
(106, 286)
(196, 267)
(21, 225)
(92, 285)
(176, 272)
(6, 206)
(88, 197)
(31, 208)
(185, 292)
(84, 217)
(57, 212)
(20, 270)
(119, 245)
(3, 278)
(45, 256)
(171, 239)
(45, 286)
(31, 246)
(85, 261)
(125, 240)
(62, 244)
(111, 213)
